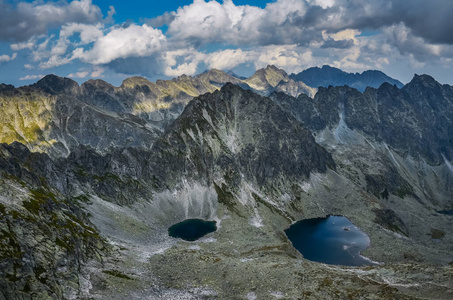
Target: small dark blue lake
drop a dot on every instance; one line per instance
(192, 229)
(332, 240)
(446, 212)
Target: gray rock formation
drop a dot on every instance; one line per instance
(236, 134)
(416, 119)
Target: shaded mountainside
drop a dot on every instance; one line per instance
(396, 144)
(416, 120)
(325, 76)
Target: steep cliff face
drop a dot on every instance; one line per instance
(57, 122)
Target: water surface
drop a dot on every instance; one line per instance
(192, 229)
(332, 240)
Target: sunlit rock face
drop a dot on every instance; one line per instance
(270, 79)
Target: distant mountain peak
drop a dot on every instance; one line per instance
(217, 75)
(424, 79)
(53, 84)
(6, 87)
(267, 78)
(97, 83)
(327, 75)
(133, 81)
(274, 68)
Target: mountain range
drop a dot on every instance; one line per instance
(327, 75)
(92, 177)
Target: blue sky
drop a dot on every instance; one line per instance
(113, 40)
(136, 10)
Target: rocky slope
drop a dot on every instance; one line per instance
(45, 236)
(325, 76)
(237, 134)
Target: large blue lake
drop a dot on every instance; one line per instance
(332, 240)
(192, 229)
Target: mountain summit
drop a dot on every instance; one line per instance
(270, 79)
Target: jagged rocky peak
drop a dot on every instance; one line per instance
(425, 131)
(425, 90)
(6, 87)
(232, 132)
(422, 81)
(53, 84)
(232, 73)
(266, 79)
(295, 88)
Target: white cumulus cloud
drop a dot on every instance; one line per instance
(6, 58)
(229, 58)
(133, 40)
